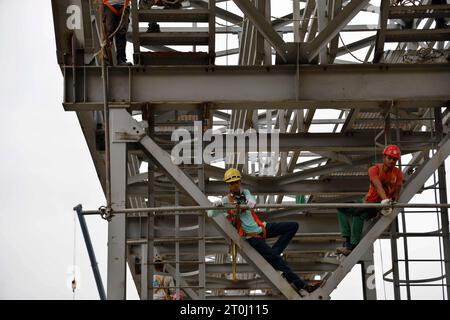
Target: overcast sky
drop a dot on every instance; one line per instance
(46, 169)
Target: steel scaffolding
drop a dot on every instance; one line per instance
(333, 105)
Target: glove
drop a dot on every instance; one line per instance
(218, 203)
(251, 204)
(386, 211)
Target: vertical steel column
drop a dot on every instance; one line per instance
(368, 275)
(443, 199)
(212, 30)
(394, 224)
(135, 32)
(402, 212)
(177, 244)
(322, 23)
(394, 255)
(150, 267)
(144, 272)
(296, 17)
(116, 288)
(382, 27)
(267, 48)
(204, 116)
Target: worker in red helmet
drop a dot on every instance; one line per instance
(385, 184)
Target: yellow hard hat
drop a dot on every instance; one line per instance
(232, 175)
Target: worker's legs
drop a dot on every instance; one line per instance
(344, 226)
(121, 35)
(276, 261)
(146, 4)
(110, 22)
(357, 228)
(347, 232)
(110, 19)
(286, 231)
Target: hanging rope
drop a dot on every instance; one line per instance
(348, 50)
(105, 42)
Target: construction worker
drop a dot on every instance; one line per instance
(385, 184)
(116, 18)
(153, 26)
(163, 284)
(256, 231)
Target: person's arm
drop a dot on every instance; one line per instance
(215, 212)
(379, 187)
(251, 201)
(374, 176)
(249, 196)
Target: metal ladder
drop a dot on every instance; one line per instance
(157, 41)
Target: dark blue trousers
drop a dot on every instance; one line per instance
(285, 231)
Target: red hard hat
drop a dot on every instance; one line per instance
(392, 150)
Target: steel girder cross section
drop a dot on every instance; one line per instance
(411, 188)
(133, 132)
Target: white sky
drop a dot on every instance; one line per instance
(46, 169)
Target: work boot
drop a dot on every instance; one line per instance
(123, 62)
(346, 249)
(153, 27)
(343, 250)
(312, 285)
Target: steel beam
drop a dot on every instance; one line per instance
(323, 143)
(359, 86)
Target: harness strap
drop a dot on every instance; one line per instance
(234, 217)
(113, 9)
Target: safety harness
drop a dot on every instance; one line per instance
(161, 283)
(113, 9)
(233, 216)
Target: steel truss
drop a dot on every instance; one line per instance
(177, 80)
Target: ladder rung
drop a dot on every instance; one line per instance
(174, 38)
(174, 15)
(181, 239)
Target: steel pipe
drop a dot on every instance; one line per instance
(276, 206)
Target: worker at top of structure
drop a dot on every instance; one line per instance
(153, 26)
(256, 231)
(385, 184)
(117, 18)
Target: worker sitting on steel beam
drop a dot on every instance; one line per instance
(385, 184)
(256, 231)
(116, 19)
(153, 26)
